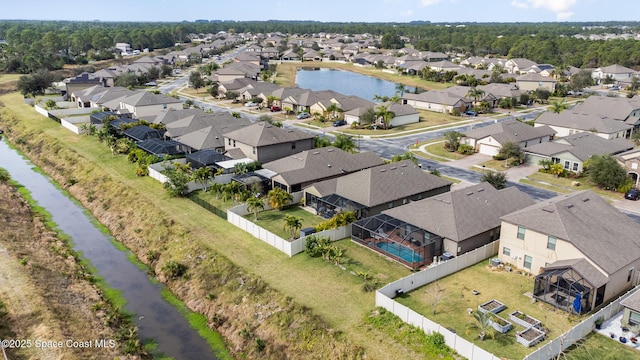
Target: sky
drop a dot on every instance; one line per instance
(437, 11)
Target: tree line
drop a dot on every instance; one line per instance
(34, 45)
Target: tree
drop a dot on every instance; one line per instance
(127, 80)
(406, 156)
(558, 106)
(196, 80)
(203, 176)
(401, 88)
(475, 94)
(177, 179)
(436, 294)
(542, 95)
(452, 140)
(497, 179)
(368, 117)
(292, 224)
(333, 111)
(345, 142)
(279, 198)
(605, 171)
(581, 80)
(255, 204)
(36, 83)
(321, 141)
(383, 112)
(482, 324)
(511, 150)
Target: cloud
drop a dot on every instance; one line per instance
(406, 13)
(429, 2)
(562, 8)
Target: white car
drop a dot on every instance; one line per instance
(250, 104)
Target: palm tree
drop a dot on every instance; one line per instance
(482, 325)
(292, 224)
(255, 205)
(332, 110)
(203, 175)
(452, 140)
(475, 93)
(401, 88)
(345, 142)
(382, 112)
(279, 198)
(497, 179)
(558, 106)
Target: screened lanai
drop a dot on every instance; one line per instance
(564, 288)
(328, 206)
(396, 239)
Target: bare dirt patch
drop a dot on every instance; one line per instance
(43, 296)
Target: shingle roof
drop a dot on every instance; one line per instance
(462, 214)
(582, 267)
(581, 145)
(264, 134)
(510, 130)
(632, 302)
(598, 230)
(581, 121)
(322, 163)
(382, 184)
(612, 107)
(145, 98)
(436, 97)
(535, 77)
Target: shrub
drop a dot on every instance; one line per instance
(174, 269)
(315, 244)
(465, 149)
(4, 175)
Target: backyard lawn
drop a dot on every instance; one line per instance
(273, 220)
(596, 346)
(456, 297)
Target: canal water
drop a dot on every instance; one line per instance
(155, 318)
(344, 82)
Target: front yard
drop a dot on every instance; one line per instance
(565, 185)
(455, 295)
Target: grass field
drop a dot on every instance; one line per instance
(337, 298)
(507, 287)
(565, 185)
(273, 220)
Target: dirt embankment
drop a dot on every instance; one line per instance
(256, 321)
(44, 297)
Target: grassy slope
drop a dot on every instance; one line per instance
(181, 230)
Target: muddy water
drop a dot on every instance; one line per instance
(156, 319)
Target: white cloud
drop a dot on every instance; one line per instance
(429, 2)
(406, 13)
(562, 8)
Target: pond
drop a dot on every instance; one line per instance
(155, 318)
(344, 82)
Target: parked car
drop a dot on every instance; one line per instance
(471, 113)
(275, 108)
(303, 115)
(249, 104)
(633, 194)
(339, 123)
(615, 87)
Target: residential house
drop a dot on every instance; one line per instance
(570, 122)
(146, 105)
(494, 92)
(141, 133)
(617, 108)
(236, 70)
(573, 150)
(344, 103)
(582, 250)
(630, 160)
(204, 130)
(298, 171)
(403, 114)
(370, 191)
(257, 89)
(438, 101)
(489, 139)
(455, 222)
(518, 65)
(631, 310)
(617, 73)
(264, 142)
(81, 82)
(534, 81)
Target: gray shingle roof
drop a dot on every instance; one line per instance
(264, 134)
(382, 184)
(461, 214)
(322, 163)
(145, 98)
(436, 97)
(582, 267)
(582, 121)
(581, 145)
(632, 302)
(612, 107)
(597, 229)
(510, 130)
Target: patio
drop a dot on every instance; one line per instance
(614, 326)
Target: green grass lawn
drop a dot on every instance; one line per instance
(566, 184)
(273, 220)
(596, 346)
(506, 287)
(438, 149)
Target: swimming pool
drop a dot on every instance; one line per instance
(400, 251)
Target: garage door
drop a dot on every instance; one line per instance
(488, 149)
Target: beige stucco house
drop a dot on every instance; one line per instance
(533, 82)
(264, 142)
(577, 245)
(489, 139)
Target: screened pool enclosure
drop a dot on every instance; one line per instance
(398, 240)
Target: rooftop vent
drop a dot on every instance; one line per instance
(392, 168)
(329, 150)
(383, 170)
(569, 206)
(549, 210)
(585, 199)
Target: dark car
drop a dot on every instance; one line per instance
(275, 108)
(339, 123)
(471, 113)
(633, 194)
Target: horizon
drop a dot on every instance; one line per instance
(336, 11)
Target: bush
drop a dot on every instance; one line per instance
(315, 244)
(465, 149)
(174, 269)
(4, 175)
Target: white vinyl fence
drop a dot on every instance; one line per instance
(385, 295)
(236, 217)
